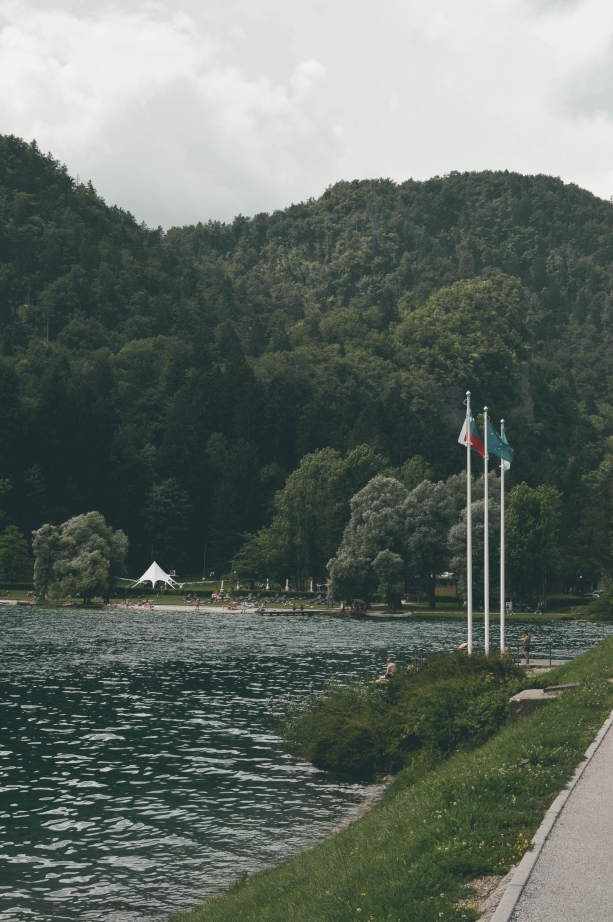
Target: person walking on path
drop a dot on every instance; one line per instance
(526, 647)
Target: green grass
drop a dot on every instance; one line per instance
(436, 830)
(365, 728)
(19, 594)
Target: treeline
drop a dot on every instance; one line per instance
(174, 381)
(376, 530)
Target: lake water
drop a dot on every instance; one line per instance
(140, 766)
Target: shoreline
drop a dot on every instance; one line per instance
(373, 796)
(372, 615)
(436, 832)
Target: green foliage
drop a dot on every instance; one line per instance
(424, 714)
(80, 557)
(389, 568)
(310, 512)
(414, 527)
(165, 517)
(415, 855)
(601, 608)
(46, 546)
(86, 574)
(457, 540)
(431, 510)
(532, 523)
(217, 356)
(5, 489)
(377, 523)
(15, 564)
(415, 471)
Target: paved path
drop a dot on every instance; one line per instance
(572, 880)
(543, 663)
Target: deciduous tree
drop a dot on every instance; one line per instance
(532, 526)
(389, 568)
(81, 556)
(430, 510)
(15, 564)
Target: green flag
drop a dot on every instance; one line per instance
(499, 446)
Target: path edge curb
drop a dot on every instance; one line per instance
(520, 878)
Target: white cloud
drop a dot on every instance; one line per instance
(305, 75)
(193, 110)
(149, 88)
(70, 75)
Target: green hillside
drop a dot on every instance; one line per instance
(173, 380)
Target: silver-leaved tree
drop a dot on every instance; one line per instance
(82, 556)
(410, 529)
(377, 523)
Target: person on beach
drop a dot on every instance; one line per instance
(463, 648)
(527, 647)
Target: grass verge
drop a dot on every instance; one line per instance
(438, 829)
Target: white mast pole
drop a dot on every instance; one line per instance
(502, 549)
(469, 531)
(486, 543)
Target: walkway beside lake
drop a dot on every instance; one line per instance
(571, 879)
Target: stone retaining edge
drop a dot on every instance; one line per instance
(523, 871)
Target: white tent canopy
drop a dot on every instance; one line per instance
(155, 575)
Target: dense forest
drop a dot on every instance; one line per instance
(175, 380)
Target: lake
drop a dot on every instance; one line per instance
(140, 763)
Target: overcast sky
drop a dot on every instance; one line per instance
(196, 109)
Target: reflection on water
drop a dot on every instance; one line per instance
(139, 763)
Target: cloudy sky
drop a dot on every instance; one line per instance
(196, 109)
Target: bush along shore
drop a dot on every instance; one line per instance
(441, 824)
(419, 716)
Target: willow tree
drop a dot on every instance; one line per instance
(80, 557)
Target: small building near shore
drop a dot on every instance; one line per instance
(445, 587)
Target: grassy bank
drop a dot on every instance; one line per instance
(422, 715)
(437, 829)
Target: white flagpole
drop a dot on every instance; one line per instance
(486, 542)
(502, 549)
(469, 531)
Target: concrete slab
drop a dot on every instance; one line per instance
(542, 663)
(529, 700)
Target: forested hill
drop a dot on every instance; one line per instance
(173, 380)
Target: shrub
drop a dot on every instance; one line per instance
(362, 729)
(601, 609)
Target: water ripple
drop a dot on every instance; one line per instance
(140, 768)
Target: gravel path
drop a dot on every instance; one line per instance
(572, 880)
